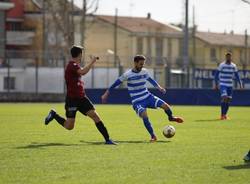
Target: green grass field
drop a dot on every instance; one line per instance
(204, 149)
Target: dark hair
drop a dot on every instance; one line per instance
(76, 51)
(228, 54)
(138, 58)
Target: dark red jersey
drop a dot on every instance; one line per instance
(73, 81)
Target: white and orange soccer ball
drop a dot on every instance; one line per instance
(168, 131)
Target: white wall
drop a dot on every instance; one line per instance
(51, 80)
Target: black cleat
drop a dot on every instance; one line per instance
(110, 142)
(247, 158)
(50, 116)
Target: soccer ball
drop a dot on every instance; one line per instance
(168, 131)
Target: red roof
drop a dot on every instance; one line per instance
(140, 24)
(223, 39)
(18, 11)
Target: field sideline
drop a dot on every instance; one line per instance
(204, 149)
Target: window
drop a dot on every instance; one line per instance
(139, 45)
(149, 46)
(9, 83)
(159, 50)
(241, 56)
(213, 54)
(15, 26)
(149, 51)
(159, 47)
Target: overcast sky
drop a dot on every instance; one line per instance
(212, 15)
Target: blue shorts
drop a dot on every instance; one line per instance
(226, 91)
(152, 102)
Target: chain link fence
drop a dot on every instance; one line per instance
(38, 72)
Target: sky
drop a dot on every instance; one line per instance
(210, 15)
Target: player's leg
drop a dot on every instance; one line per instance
(99, 125)
(53, 115)
(224, 97)
(167, 109)
(142, 113)
(228, 100)
(247, 157)
(169, 112)
(70, 114)
(223, 107)
(87, 108)
(148, 126)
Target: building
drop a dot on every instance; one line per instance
(4, 7)
(210, 49)
(161, 43)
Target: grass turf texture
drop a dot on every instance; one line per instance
(204, 149)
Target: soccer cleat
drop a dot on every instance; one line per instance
(50, 116)
(153, 139)
(177, 119)
(224, 117)
(247, 157)
(110, 142)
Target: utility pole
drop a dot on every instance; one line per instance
(186, 44)
(83, 22)
(43, 54)
(115, 37)
(246, 50)
(72, 25)
(193, 36)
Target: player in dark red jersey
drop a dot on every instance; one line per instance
(76, 99)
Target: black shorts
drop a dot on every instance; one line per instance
(72, 105)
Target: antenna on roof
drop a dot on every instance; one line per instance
(148, 15)
(131, 7)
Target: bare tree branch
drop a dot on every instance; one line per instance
(246, 1)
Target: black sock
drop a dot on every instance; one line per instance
(169, 113)
(59, 119)
(102, 129)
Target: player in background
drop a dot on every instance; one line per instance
(224, 81)
(76, 99)
(247, 157)
(140, 96)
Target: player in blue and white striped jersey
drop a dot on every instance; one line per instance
(224, 81)
(141, 98)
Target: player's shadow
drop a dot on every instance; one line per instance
(92, 143)
(142, 142)
(207, 120)
(237, 167)
(35, 145)
(125, 142)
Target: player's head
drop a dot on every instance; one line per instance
(76, 52)
(139, 61)
(228, 57)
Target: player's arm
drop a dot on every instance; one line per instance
(85, 69)
(156, 85)
(114, 85)
(237, 76)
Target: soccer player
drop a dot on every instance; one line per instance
(224, 81)
(76, 99)
(140, 96)
(247, 157)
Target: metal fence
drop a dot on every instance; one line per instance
(37, 72)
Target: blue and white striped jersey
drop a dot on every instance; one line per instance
(136, 83)
(226, 74)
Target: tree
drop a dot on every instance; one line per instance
(60, 24)
(88, 7)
